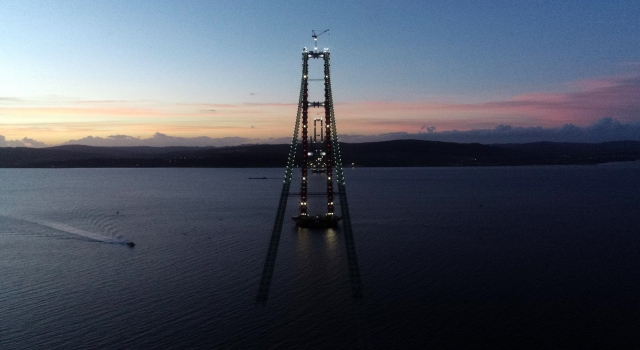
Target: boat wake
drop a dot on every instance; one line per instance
(80, 232)
(68, 229)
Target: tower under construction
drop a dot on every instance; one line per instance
(320, 153)
(319, 157)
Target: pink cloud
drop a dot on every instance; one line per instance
(614, 97)
(590, 100)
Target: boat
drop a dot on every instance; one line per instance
(131, 244)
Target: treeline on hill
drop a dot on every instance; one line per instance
(399, 153)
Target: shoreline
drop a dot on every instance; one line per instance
(399, 153)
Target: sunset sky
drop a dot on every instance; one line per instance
(125, 71)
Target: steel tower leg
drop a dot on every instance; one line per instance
(328, 144)
(305, 135)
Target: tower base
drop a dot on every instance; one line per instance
(319, 170)
(318, 221)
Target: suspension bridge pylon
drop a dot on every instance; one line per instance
(323, 156)
(320, 157)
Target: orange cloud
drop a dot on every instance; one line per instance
(58, 121)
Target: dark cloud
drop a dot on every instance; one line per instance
(13, 99)
(25, 142)
(157, 140)
(605, 129)
(32, 143)
(428, 129)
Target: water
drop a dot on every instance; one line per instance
(505, 257)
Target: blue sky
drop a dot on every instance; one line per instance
(70, 69)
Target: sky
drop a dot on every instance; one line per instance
(228, 72)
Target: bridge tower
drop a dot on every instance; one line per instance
(321, 157)
(318, 157)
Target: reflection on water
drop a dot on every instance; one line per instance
(331, 243)
(321, 309)
(317, 250)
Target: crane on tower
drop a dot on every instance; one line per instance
(315, 39)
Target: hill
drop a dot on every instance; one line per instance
(398, 153)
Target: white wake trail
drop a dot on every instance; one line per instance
(80, 232)
(74, 230)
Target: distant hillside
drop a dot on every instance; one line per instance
(399, 153)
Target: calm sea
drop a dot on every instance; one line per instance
(498, 257)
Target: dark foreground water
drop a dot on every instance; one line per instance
(505, 257)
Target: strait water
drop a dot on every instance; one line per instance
(500, 257)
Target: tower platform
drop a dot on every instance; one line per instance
(317, 221)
